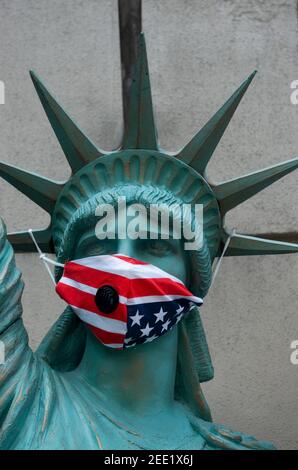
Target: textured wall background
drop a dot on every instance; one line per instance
(199, 52)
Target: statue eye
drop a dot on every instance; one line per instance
(159, 247)
(95, 247)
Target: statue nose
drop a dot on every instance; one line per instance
(107, 299)
(127, 247)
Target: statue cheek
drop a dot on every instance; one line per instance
(181, 273)
(176, 266)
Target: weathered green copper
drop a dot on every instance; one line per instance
(77, 147)
(246, 245)
(140, 132)
(40, 190)
(232, 193)
(74, 393)
(199, 150)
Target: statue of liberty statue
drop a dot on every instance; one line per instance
(74, 393)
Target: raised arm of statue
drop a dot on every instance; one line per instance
(13, 336)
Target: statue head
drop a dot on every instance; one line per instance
(142, 173)
(150, 179)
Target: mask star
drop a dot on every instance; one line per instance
(160, 315)
(179, 317)
(128, 340)
(136, 319)
(148, 340)
(179, 309)
(146, 331)
(165, 326)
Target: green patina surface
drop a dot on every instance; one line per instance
(73, 393)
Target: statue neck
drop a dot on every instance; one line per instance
(135, 381)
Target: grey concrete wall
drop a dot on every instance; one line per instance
(199, 52)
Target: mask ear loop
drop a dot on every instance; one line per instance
(219, 261)
(44, 258)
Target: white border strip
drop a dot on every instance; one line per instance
(113, 265)
(134, 300)
(107, 324)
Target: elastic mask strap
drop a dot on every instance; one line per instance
(219, 261)
(43, 257)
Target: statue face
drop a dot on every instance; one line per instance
(168, 254)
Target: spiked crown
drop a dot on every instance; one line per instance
(141, 161)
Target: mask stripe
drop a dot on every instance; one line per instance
(111, 340)
(165, 287)
(107, 324)
(107, 338)
(163, 298)
(129, 260)
(74, 285)
(95, 278)
(77, 297)
(78, 285)
(114, 265)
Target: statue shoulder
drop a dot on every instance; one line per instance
(220, 437)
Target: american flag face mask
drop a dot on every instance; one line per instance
(123, 301)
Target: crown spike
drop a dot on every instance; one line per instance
(199, 150)
(232, 193)
(247, 245)
(77, 147)
(22, 242)
(140, 131)
(42, 191)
